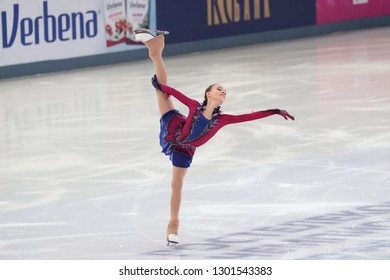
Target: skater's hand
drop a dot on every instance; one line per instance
(286, 115)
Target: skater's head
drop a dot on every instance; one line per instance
(215, 93)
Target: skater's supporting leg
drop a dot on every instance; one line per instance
(156, 47)
(178, 175)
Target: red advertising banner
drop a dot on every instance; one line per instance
(331, 10)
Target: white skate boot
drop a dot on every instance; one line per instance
(172, 240)
(144, 35)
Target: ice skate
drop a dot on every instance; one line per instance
(172, 240)
(143, 35)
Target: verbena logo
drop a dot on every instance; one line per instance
(47, 27)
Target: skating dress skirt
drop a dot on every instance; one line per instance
(171, 124)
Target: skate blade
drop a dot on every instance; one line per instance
(172, 240)
(172, 245)
(151, 32)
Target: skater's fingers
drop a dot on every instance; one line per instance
(286, 115)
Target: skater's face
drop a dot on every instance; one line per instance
(216, 92)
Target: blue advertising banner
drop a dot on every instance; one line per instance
(49, 30)
(189, 20)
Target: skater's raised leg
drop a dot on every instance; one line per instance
(156, 47)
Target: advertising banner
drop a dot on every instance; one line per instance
(205, 19)
(115, 20)
(138, 16)
(41, 30)
(1, 37)
(332, 11)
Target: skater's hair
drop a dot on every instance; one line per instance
(209, 88)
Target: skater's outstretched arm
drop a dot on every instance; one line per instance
(230, 119)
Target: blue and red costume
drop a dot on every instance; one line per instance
(180, 135)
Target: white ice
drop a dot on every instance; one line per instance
(82, 176)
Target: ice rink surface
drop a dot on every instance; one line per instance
(82, 176)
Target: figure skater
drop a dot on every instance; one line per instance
(180, 135)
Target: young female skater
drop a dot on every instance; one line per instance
(180, 135)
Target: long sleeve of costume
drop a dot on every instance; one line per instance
(225, 119)
(231, 119)
(180, 96)
(190, 103)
